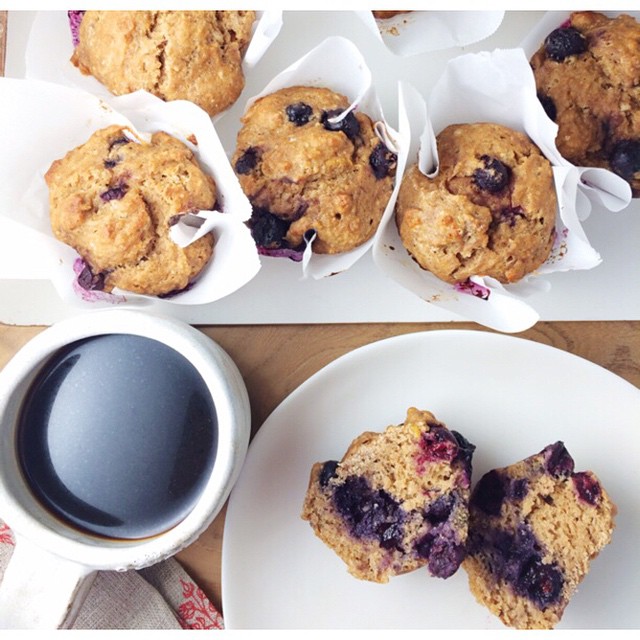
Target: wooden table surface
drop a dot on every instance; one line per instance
(274, 360)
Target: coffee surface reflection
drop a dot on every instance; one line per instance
(117, 436)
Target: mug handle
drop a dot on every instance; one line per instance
(40, 590)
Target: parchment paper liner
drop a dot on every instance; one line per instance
(496, 87)
(337, 64)
(48, 120)
(52, 62)
(415, 32)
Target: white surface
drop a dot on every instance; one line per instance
(361, 294)
(277, 574)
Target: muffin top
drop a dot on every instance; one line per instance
(114, 200)
(490, 211)
(586, 75)
(175, 55)
(309, 166)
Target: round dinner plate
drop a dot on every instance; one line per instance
(508, 396)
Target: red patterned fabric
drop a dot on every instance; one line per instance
(159, 597)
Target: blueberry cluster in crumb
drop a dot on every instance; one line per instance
(401, 499)
(534, 528)
(396, 501)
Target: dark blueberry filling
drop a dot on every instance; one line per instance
(370, 514)
(518, 488)
(548, 105)
(558, 461)
(625, 158)
(267, 229)
(517, 559)
(327, 472)
(247, 161)
(587, 487)
(442, 550)
(490, 492)
(493, 177)
(349, 125)
(465, 452)
(118, 142)
(541, 583)
(510, 215)
(299, 113)
(116, 192)
(440, 510)
(110, 163)
(564, 42)
(438, 444)
(382, 161)
(90, 281)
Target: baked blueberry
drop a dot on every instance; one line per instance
(327, 472)
(490, 493)
(299, 113)
(493, 176)
(267, 229)
(541, 583)
(548, 105)
(564, 42)
(349, 124)
(90, 281)
(625, 158)
(383, 162)
(368, 513)
(558, 460)
(587, 487)
(247, 161)
(117, 192)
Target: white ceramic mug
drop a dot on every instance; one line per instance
(53, 563)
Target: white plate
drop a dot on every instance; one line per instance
(508, 396)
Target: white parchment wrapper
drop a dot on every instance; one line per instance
(52, 62)
(495, 87)
(589, 176)
(48, 120)
(415, 32)
(337, 64)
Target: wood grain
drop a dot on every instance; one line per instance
(274, 360)
(3, 41)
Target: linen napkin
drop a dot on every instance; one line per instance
(162, 596)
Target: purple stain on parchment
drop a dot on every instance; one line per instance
(472, 288)
(87, 286)
(75, 18)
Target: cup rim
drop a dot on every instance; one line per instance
(230, 396)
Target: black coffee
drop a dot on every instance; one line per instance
(118, 436)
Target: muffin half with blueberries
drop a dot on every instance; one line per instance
(587, 77)
(312, 168)
(489, 211)
(535, 526)
(396, 501)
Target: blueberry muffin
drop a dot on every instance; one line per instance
(490, 211)
(309, 167)
(397, 501)
(175, 55)
(586, 74)
(385, 15)
(534, 528)
(114, 199)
